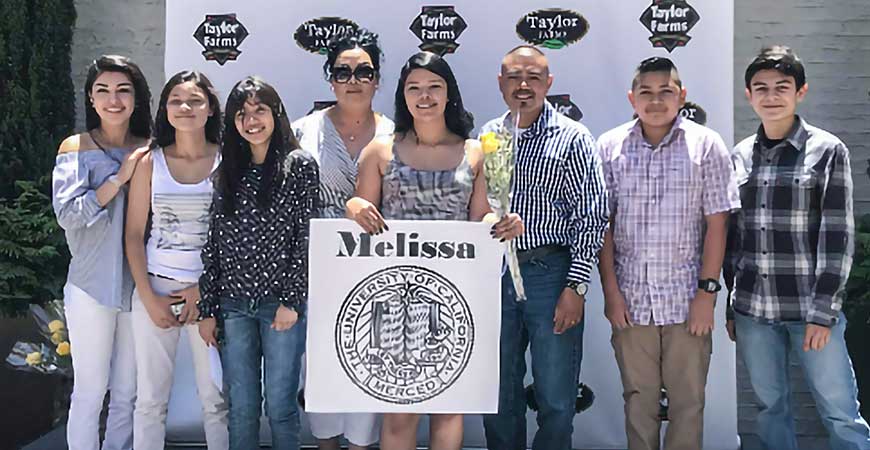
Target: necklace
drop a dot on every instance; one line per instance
(359, 127)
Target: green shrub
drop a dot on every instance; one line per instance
(33, 252)
(37, 110)
(856, 307)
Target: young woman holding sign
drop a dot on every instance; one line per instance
(428, 170)
(255, 279)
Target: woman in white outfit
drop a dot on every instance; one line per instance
(88, 195)
(173, 189)
(336, 136)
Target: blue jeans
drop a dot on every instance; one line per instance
(766, 349)
(247, 340)
(555, 360)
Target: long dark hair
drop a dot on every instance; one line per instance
(140, 120)
(459, 121)
(236, 151)
(164, 132)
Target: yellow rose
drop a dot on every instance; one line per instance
(57, 337)
(55, 325)
(489, 142)
(33, 358)
(63, 348)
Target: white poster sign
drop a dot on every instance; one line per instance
(403, 321)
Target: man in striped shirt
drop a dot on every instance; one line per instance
(558, 190)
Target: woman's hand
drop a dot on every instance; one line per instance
(285, 318)
(190, 295)
(208, 331)
(160, 312)
(509, 227)
(129, 165)
(366, 215)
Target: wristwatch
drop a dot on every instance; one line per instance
(709, 285)
(579, 288)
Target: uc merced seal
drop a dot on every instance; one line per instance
(404, 334)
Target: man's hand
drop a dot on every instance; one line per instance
(816, 337)
(569, 311)
(701, 313)
(616, 310)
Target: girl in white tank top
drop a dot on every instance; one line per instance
(172, 188)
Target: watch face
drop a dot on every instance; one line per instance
(581, 289)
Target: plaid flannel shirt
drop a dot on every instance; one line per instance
(790, 246)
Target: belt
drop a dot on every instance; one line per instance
(524, 256)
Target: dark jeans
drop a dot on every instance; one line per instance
(555, 360)
(247, 340)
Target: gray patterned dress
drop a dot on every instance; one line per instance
(411, 194)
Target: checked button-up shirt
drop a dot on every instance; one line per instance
(659, 197)
(790, 247)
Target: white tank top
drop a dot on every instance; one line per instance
(179, 222)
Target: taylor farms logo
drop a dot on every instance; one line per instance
(404, 334)
(315, 34)
(564, 105)
(669, 21)
(694, 112)
(438, 27)
(552, 28)
(221, 35)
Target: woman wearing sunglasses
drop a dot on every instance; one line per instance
(336, 136)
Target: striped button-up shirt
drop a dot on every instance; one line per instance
(558, 189)
(790, 247)
(659, 197)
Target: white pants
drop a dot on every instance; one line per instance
(101, 345)
(155, 360)
(362, 429)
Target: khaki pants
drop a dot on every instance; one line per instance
(651, 357)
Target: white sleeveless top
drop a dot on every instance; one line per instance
(179, 222)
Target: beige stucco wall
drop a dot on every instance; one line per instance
(133, 28)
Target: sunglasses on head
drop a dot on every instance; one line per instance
(343, 74)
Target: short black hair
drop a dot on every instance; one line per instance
(164, 132)
(656, 64)
(361, 38)
(140, 120)
(780, 58)
(459, 120)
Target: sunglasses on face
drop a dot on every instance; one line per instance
(343, 74)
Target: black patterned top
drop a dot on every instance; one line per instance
(257, 254)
